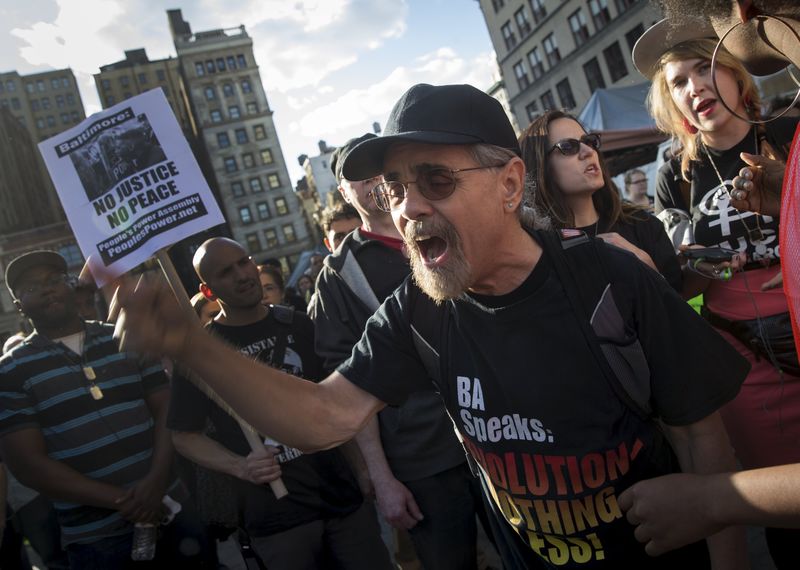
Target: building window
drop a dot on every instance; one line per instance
(497, 4)
(615, 62)
(523, 23)
(623, 5)
(241, 136)
(216, 116)
(551, 50)
(262, 208)
(577, 23)
(255, 185)
(241, 61)
(594, 75)
(244, 215)
(64, 118)
(634, 34)
(10, 86)
(220, 64)
(45, 102)
(271, 237)
(210, 93)
(508, 35)
(565, 94)
(288, 233)
(30, 87)
(230, 164)
(35, 105)
(600, 14)
(110, 100)
(537, 8)
(523, 80)
(71, 254)
(247, 160)
(274, 181)
(51, 121)
(124, 81)
(39, 123)
(237, 189)
(532, 110)
(548, 103)
(74, 116)
(210, 66)
(40, 85)
(253, 243)
(281, 207)
(231, 62)
(233, 112)
(259, 132)
(266, 156)
(54, 83)
(15, 103)
(199, 70)
(227, 89)
(247, 87)
(106, 84)
(160, 75)
(536, 63)
(65, 81)
(70, 99)
(252, 108)
(142, 79)
(59, 101)
(223, 141)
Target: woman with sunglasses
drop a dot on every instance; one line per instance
(700, 111)
(574, 189)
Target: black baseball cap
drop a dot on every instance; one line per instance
(443, 114)
(29, 260)
(337, 159)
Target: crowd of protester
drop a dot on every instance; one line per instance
(499, 339)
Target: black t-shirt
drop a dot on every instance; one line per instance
(715, 221)
(647, 233)
(320, 484)
(556, 443)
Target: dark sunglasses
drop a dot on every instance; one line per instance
(570, 147)
(433, 184)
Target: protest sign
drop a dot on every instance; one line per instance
(129, 183)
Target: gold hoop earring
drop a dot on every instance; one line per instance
(714, 72)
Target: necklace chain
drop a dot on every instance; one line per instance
(755, 234)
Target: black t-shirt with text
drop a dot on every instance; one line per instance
(715, 221)
(320, 484)
(555, 442)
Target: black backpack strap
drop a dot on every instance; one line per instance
(580, 269)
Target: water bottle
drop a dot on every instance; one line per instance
(144, 541)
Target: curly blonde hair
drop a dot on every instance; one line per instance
(664, 110)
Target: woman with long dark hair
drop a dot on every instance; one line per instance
(573, 188)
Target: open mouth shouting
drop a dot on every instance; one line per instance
(705, 107)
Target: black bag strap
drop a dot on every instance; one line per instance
(580, 269)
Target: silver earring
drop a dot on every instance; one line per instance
(511, 204)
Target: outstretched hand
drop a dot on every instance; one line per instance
(149, 319)
(757, 188)
(670, 511)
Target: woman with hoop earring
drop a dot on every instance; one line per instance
(746, 306)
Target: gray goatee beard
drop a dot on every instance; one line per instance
(447, 281)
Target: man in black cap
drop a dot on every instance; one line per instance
(418, 469)
(84, 424)
(496, 315)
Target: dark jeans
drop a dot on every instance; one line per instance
(446, 538)
(352, 542)
(181, 544)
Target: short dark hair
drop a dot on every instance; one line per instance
(339, 211)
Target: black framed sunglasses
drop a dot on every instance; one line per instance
(433, 184)
(570, 147)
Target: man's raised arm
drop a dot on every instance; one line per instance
(269, 399)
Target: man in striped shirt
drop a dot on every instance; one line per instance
(84, 424)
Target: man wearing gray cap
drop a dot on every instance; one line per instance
(417, 468)
(496, 321)
(84, 424)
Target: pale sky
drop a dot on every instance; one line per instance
(330, 67)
